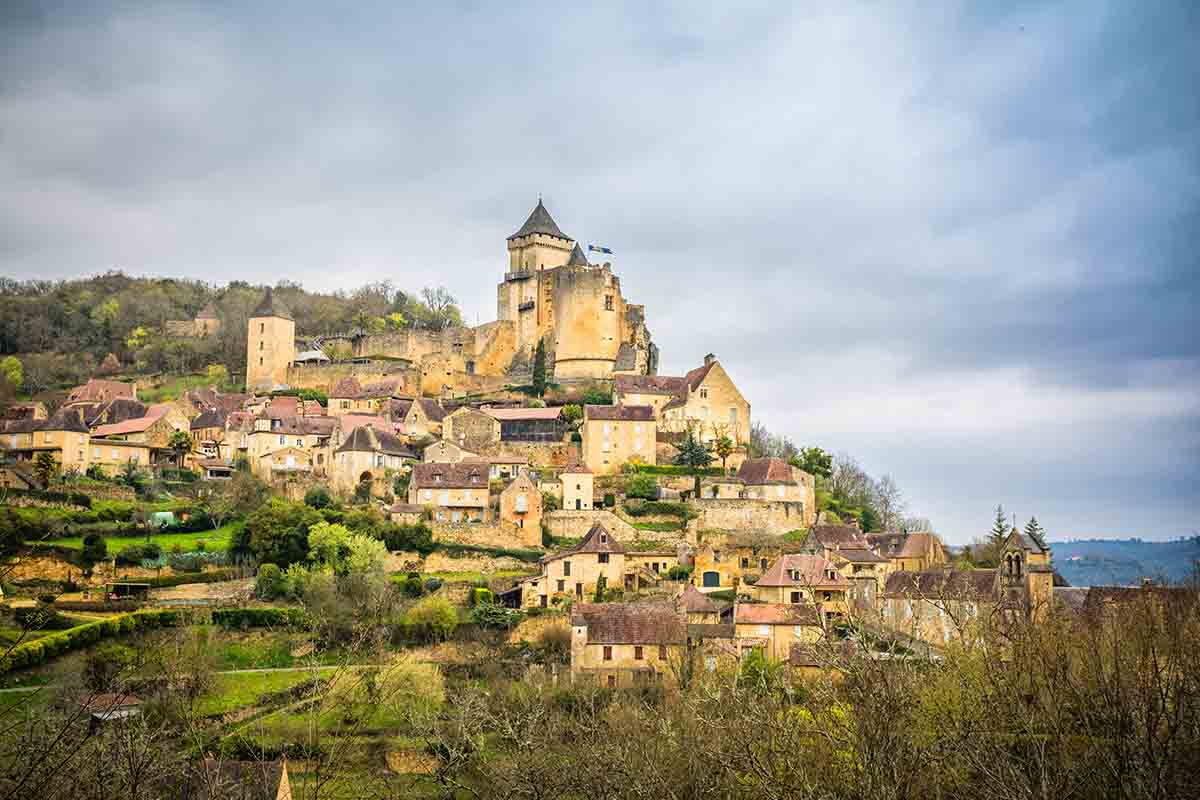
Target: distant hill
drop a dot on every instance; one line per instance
(1108, 562)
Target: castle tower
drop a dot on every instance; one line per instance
(539, 243)
(270, 344)
(525, 297)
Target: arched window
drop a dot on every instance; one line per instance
(1008, 568)
(1017, 564)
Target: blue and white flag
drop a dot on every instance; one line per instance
(595, 248)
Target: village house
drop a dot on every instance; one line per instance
(445, 452)
(284, 462)
(405, 513)
(801, 578)
(910, 552)
(65, 436)
(771, 479)
(626, 644)
(368, 454)
(728, 565)
(101, 390)
(575, 572)
(119, 409)
(521, 505)
(423, 418)
(470, 429)
(154, 431)
(529, 424)
(774, 628)
(454, 492)
(113, 456)
(616, 435)
(32, 410)
(503, 467)
(699, 609)
(348, 396)
(208, 432)
(577, 487)
(710, 404)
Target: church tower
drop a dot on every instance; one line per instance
(270, 344)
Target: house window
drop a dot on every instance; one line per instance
(608, 652)
(745, 563)
(779, 490)
(827, 595)
(795, 597)
(543, 601)
(637, 652)
(579, 590)
(762, 564)
(603, 538)
(444, 499)
(566, 569)
(282, 440)
(703, 393)
(116, 454)
(612, 681)
(562, 586)
(604, 558)
(662, 652)
(764, 630)
(428, 494)
(262, 327)
(733, 416)
(522, 505)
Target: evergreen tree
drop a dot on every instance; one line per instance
(999, 530)
(44, 469)
(695, 455)
(539, 369)
(1035, 531)
(869, 520)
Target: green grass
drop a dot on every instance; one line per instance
(232, 692)
(215, 539)
(658, 527)
(467, 576)
(173, 388)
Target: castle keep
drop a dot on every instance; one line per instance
(550, 292)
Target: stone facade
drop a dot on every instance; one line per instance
(471, 429)
(615, 435)
(521, 507)
(270, 345)
(764, 515)
(578, 488)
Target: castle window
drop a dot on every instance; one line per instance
(262, 327)
(260, 344)
(662, 652)
(608, 302)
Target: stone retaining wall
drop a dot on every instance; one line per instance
(764, 515)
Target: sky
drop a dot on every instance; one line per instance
(955, 241)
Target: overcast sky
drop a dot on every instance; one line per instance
(960, 246)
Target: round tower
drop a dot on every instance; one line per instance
(588, 314)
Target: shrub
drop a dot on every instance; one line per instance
(679, 573)
(674, 469)
(610, 500)
(495, 617)
(105, 663)
(749, 580)
(417, 537)
(195, 561)
(432, 585)
(258, 617)
(431, 619)
(642, 486)
(410, 584)
(480, 595)
(268, 584)
(555, 643)
(39, 651)
(659, 508)
(133, 555)
(318, 497)
(212, 576)
(201, 546)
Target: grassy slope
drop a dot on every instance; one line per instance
(216, 539)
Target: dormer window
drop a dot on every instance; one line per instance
(437, 477)
(603, 538)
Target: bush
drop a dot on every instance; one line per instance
(555, 643)
(39, 651)
(610, 500)
(493, 617)
(411, 584)
(105, 663)
(643, 486)
(133, 555)
(679, 573)
(259, 617)
(212, 576)
(431, 619)
(195, 561)
(432, 585)
(480, 595)
(417, 537)
(659, 508)
(268, 584)
(674, 469)
(749, 580)
(528, 556)
(318, 497)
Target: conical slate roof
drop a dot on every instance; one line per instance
(269, 307)
(540, 221)
(577, 259)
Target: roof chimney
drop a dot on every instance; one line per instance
(709, 358)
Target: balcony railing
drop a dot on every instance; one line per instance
(518, 275)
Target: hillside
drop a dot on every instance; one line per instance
(1096, 562)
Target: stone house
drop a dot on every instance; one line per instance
(313, 434)
(153, 431)
(867, 572)
(521, 505)
(770, 479)
(503, 467)
(626, 644)
(470, 429)
(801, 578)
(101, 390)
(776, 627)
(699, 609)
(285, 461)
(112, 455)
(208, 431)
(575, 572)
(348, 396)
(615, 435)
(727, 566)
(910, 552)
(578, 486)
(648, 390)
(423, 418)
(65, 436)
(710, 403)
(368, 454)
(529, 424)
(405, 513)
(455, 492)
(445, 452)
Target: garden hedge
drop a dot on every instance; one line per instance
(258, 617)
(39, 651)
(212, 576)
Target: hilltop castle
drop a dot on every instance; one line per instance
(550, 293)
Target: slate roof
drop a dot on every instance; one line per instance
(270, 307)
(578, 258)
(22, 425)
(368, 439)
(856, 555)
(463, 475)
(950, 584)
(65, 419)
(648, 384)
(100, 389)
(775, 614)
(540, 221)
(759, 471)
(406, 508)
(432, 410)
(620, 413)
(118, 409)
(696, 376)
(303, 426)
(630, 623)
(693, 601)
(626, 357)
(382, 389)
(919, 545)
(812, 571)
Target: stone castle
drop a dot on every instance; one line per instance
(549, 293)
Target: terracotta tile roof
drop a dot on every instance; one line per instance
(802, 570)
(380, 390)
(649, 384)
(620, 413)
(920, 545)
(239, 421)
(138, 425)
(346, 388)
(775, 614)
(759, 471)
(369, 439)
(856, 555)
(348, 422)
(836, 537)
(949, 584)
(463, 475)
(101, 389)
(282, 406)
(630, 623)
(519, 414)
(304, 426)
(693, 601)
(109, 702)
(696, 376)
